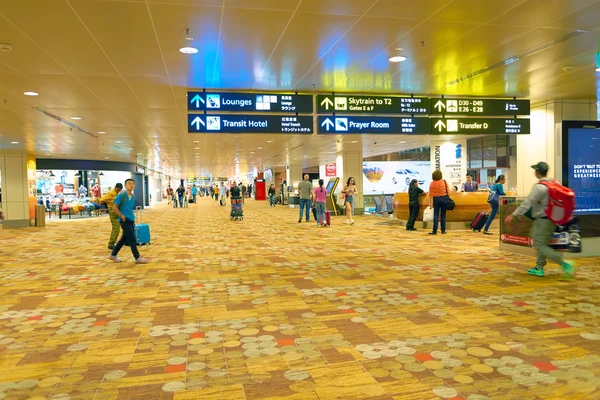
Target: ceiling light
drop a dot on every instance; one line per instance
(31, 93)
(251, 152)
(101, 133)
(131, 148)
(76, 118)
(196, 148)
(397, 59)
(118, 141)
(355, 141)
(188, 50)
(305, 156)
(402, 142)
(259, 148)
(106, 158)
(269, 141)
(14, 142)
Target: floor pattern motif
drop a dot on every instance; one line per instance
(268, 308)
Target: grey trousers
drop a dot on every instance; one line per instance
(541, 233)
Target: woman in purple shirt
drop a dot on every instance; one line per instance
(319, 201)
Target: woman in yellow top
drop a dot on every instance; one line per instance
(438, 198)
(349, 191)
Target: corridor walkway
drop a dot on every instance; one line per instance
(268, 308)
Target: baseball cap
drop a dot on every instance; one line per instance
(541, 167)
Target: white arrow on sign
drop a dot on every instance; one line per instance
(197, 98)
(440, 125)
(197, 121)
(439, 105)
(327, 103)
(327, 124)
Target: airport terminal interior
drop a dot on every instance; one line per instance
(219, 119)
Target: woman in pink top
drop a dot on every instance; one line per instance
(319, 201)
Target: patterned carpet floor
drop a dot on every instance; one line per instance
(267, 308)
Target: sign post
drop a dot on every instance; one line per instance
(240, 123)
(250, 102)
(376, 104)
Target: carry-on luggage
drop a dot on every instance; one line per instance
(314, 212)
(479, 221)
(142, 231)
(328, 218)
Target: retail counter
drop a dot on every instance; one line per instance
(467, 206)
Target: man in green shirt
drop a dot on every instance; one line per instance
(306, 190)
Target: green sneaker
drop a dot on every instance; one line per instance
(536, 271)
(569, 268)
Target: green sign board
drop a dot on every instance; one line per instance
(480, 126)
(475, 106)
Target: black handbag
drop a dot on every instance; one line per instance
(450, 204)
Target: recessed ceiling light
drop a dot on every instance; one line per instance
(355, 141)
(14, 142)
(402, 142)
(101, 133)
(259, 148)
(397, 59)
(196, 148)
(269, 141)
(76, 118)
(305, 156)
(31, 93)
(251, 152)
(106, 158)
(118, 141)
(188, 50)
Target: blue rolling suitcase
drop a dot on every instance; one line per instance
(142, 231)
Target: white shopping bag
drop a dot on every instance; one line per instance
(428, 215)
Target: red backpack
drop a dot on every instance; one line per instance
(561, 202)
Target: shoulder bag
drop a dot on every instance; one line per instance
(450, 204)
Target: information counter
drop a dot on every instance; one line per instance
(467, 206)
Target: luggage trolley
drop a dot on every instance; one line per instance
(236, 209)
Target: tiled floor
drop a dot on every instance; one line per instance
(267, 308)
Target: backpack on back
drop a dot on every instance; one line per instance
(561, 202)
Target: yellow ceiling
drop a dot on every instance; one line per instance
(116, 64)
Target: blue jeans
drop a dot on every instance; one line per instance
(491, 217)
(272, 200)
(128, 237)
(180, 201)
(320, 212)
(305, 203)
(439, 212)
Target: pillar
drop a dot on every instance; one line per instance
(293, 174)
(540, 144)
(18, 189)
(349, 164)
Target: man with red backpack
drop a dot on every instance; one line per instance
(548, 204)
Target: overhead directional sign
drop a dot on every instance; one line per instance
(466, 126)
(237, 123)
(250, 102)
(475, 106)
(374, 125)
(327, 104)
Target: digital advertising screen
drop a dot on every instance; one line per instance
(584, 169)
(581, 171)
(389, 177)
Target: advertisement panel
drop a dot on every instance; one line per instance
(389, 177)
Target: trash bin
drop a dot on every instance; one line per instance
(40, 216)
